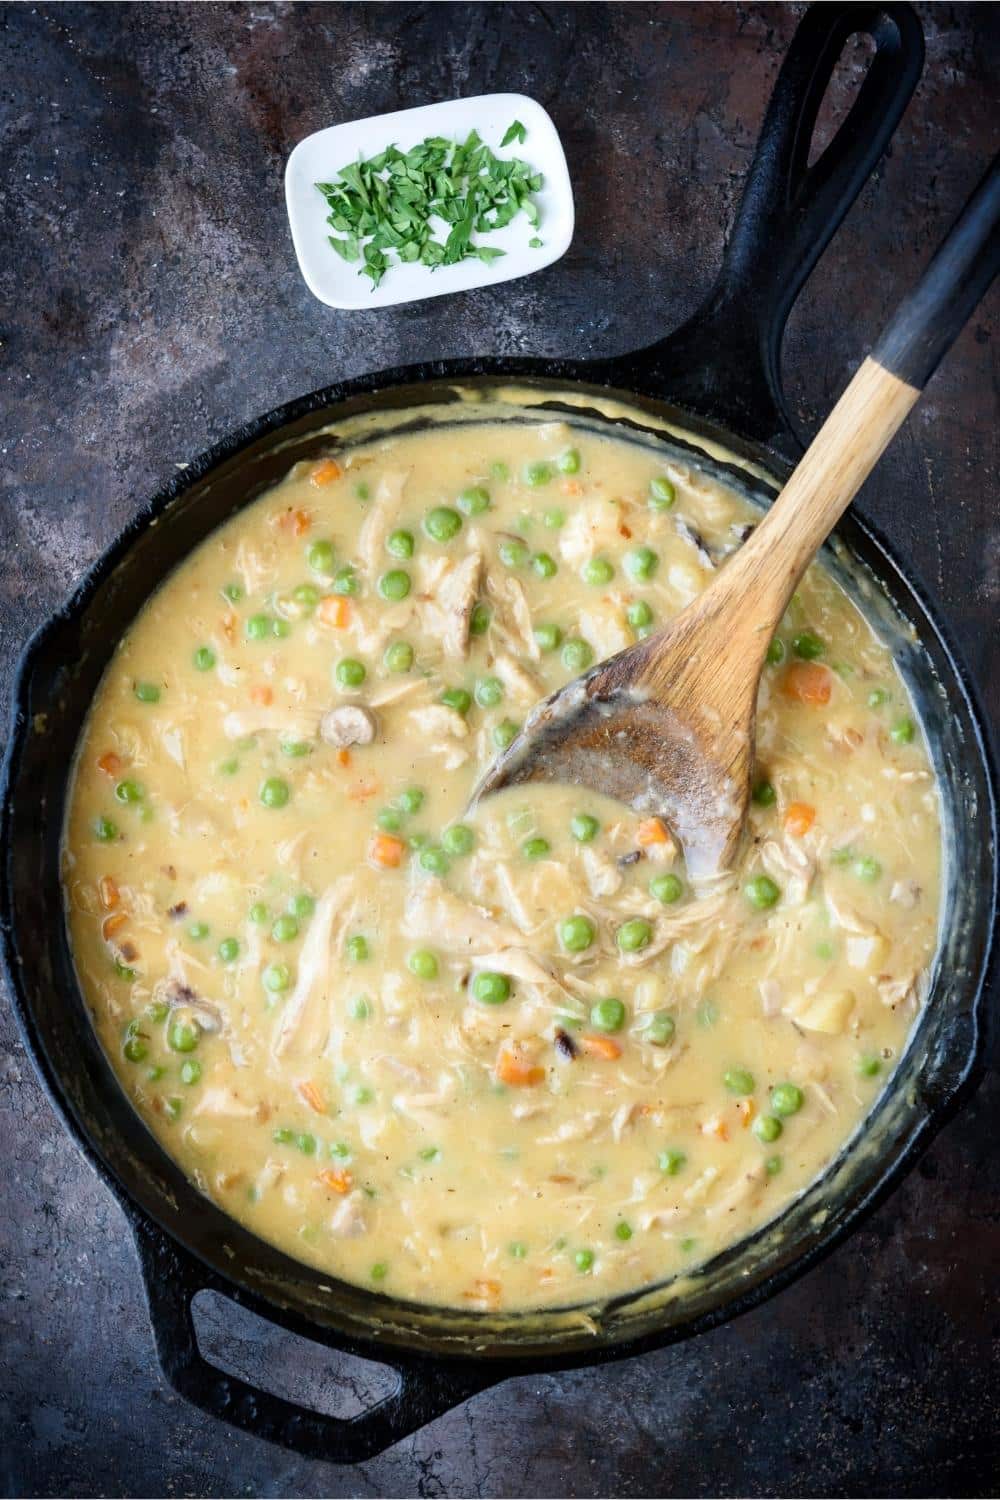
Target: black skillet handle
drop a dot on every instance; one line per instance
(426, 1388)
(724, 363)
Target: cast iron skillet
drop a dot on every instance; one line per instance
(718, 377)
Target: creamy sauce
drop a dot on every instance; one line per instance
(517, 1058)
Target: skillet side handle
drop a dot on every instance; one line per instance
(426, 1388)
(724, 363)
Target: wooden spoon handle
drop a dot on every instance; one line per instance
(871, 409)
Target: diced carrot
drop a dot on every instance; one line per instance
(228, 626)
(113, 924)
(386, 851)
(108, 892)
(337, 1179)
(261, 694)
(808, 681)
(799, 818)
(572, 487)
(312, 1096)
(747, 1109)
(601, 1046)
(343, 757)
(716, 1126)
(295, 521)
(326, 472)
(652, 831)
(110, 763)
(362, 790)
(334, 610)
(484, 1289)
(626, 531)
(561, 1177)
(515, 1068)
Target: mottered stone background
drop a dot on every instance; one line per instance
(149, 302)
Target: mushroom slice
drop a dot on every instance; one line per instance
(350, 724)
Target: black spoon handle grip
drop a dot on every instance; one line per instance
(929, 320)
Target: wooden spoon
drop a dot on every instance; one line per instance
(667, 725)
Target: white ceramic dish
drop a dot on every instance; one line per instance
(321, 155)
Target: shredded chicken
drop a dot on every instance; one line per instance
(432, 911)
(512, 615)
(347, 725)
(382, 517)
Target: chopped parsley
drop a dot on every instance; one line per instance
(384, 206)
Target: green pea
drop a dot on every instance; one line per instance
(182, 1037)
(282, 1136)
(505, 734)
(660, 1030)
(569, 462)
(228, 767)
(280, 627)
(671, 1161)
(307, 595)
(442, 523)
(548, 637)
(274, 792)
(197, 931)
(576, 933)
(399, 657)
(362, 491)
(902, 732)
(295, 749)
(583, 1260)
(423, 963)
(661, 493)
(400, 543)
(203, 659)
(775, 651)
(157, 1010)
(345, 581)
(641, 563)
(544, 564)
(868, 1065)
(584, 827)
(430, 1153)
(460, 699)
(229, 950)
(639, 614)
(537, 473)
(434, 860)
(761, 892)
(411, 800)
(257, 627)
(357, 948)
(340, 1151)
(514, 553)
(394, 585)
(623, 1230)
(597, 571)
(867, 868)
(773, 1166)
(786, 1099)
(276, 978)
(123, 971)
(135, 1049)
(190, 1071)
(536, 848)
(877, 697)
(458, 840)
(129, 791)
(306, 1143)
(147, 692)
(764, 794)
(491, 989)
(302, 905)
(419, 840)
(607, 1015)
(634, 935)
(285, 929)
(489, 691)
(518, 1249)
(259, 913)
(320, 557)
(350, 673)
(739, 1081)
(553, 518)
(233, 592)
(173, 1107)
(479, 620)
(666, 888)
(767, 1129)
(105, 829)
(808, 646)
(577, 655)
(379, 1271)
(825, 951)
(474, 500)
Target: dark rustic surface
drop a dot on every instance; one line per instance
(149, 302)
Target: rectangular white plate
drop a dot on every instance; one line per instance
(321, 155)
